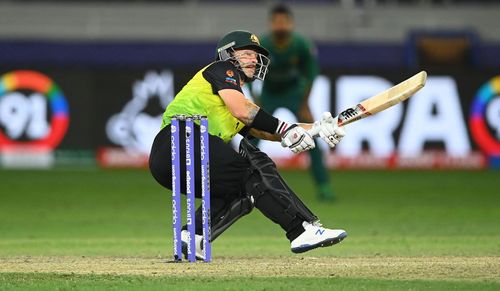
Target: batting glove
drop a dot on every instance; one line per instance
(328, 130)
(297, 139)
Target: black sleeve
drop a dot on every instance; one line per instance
(244, 131)
(222, 75)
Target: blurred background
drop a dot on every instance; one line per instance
(84, 83)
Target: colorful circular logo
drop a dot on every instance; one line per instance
(478, 124)
(37, 82)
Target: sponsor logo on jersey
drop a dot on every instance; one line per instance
(230, 73)
(231, 81)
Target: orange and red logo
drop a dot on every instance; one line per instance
(230, 73)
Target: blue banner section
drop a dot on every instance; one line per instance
(175, 54)
(361, 56)
(332, 56)
(52, 54)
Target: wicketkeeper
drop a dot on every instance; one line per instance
(240, 181)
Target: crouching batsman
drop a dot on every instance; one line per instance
(246, 179)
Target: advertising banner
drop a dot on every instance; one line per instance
(454, 122)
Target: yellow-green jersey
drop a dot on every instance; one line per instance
(200, 97)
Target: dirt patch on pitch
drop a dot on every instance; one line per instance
(428, 268)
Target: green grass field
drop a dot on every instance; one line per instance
(95, 229)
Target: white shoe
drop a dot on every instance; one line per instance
(198, 242)
(316, 236)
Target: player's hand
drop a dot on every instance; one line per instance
(329, 130)
(297, 139)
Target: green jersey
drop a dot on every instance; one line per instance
(200, 97)
(292, 65)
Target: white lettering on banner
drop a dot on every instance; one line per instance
(134, 129)
(493, 115)
(434, 114)
(445, 125)
(21, 114)
(376, 130)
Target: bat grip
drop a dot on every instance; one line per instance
(314, 131)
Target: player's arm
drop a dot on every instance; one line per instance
(239, 106)
(224, 79)
(264, 135)
(293, 136)
(253, 116)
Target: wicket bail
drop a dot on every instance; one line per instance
(188, 120)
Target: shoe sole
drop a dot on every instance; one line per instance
(185, 251)
(322, 244)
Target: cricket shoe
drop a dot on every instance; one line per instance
(199, 245)
(315, 236)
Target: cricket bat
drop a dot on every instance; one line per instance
(381, 101)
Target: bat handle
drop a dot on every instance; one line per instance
(314, 131)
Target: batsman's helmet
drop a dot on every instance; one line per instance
(241, 39)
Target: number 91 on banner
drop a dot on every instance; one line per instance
(34, 113)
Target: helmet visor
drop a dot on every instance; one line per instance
(249, 57)
(261, 66)
(261, 61)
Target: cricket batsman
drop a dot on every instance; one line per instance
(246, 179)
(289, 81)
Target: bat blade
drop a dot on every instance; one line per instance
(382, 100)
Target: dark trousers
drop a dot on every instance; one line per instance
(228, 170)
